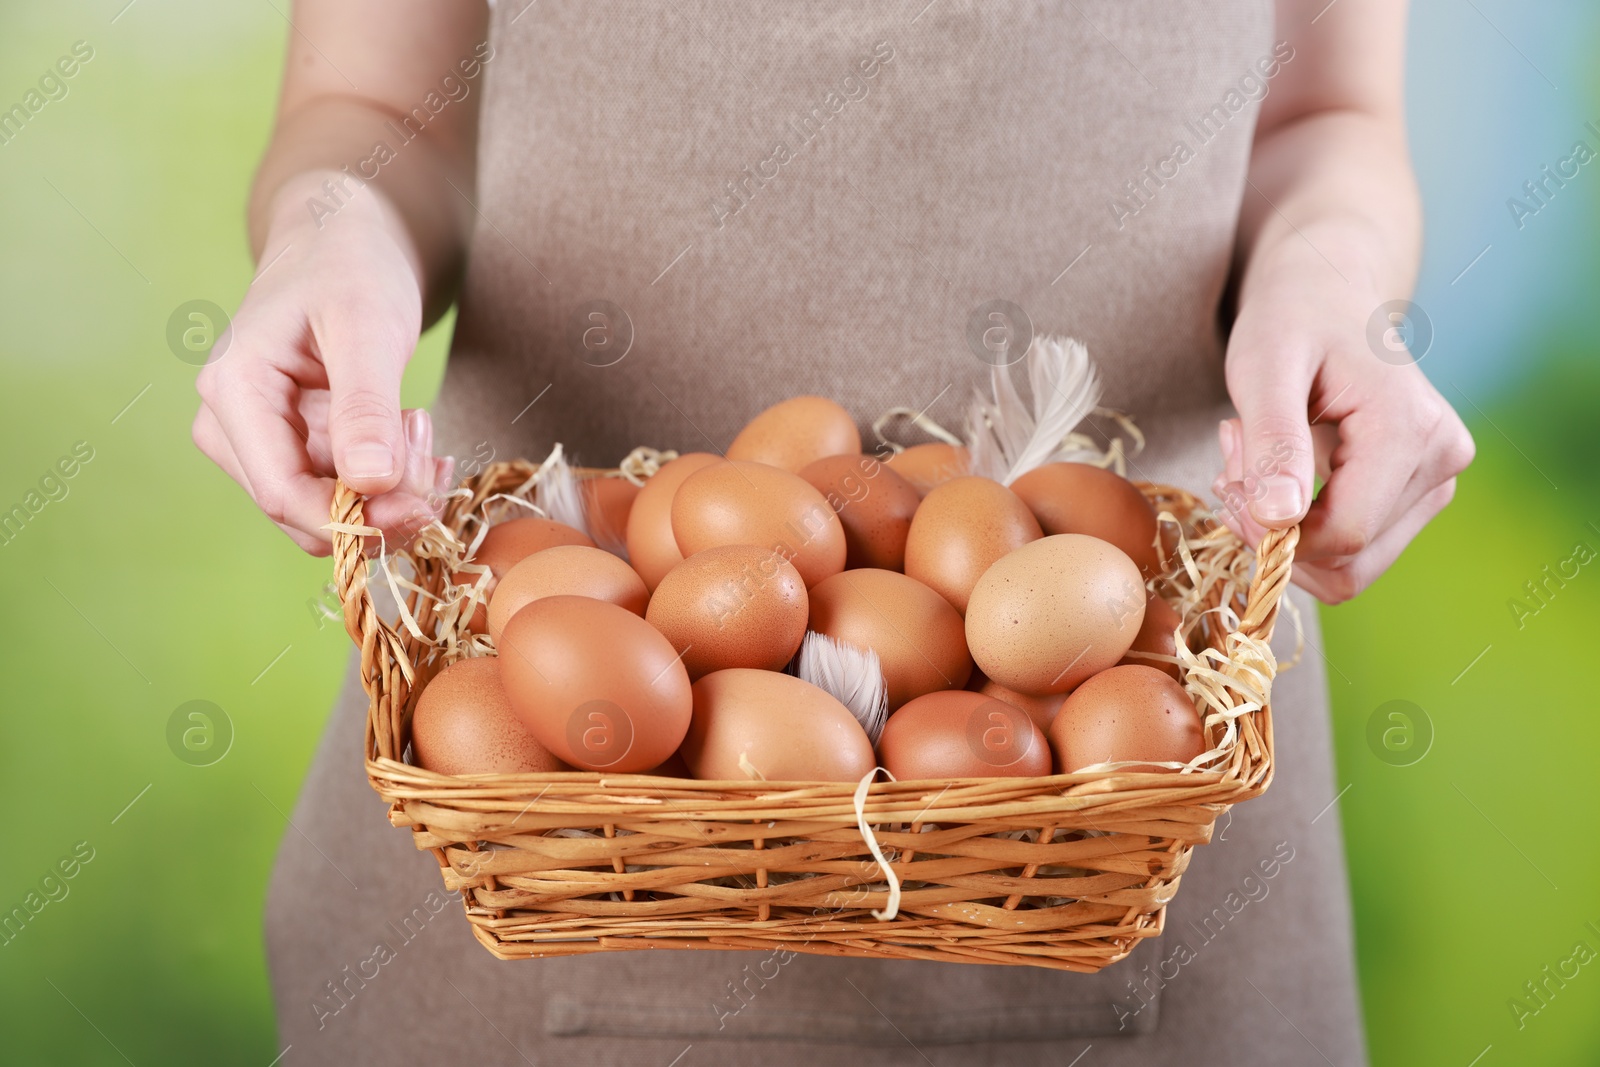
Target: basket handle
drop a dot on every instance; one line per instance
(1274, 567)
(384, 654)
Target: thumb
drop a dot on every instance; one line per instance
(365, 353)
(1276, 448)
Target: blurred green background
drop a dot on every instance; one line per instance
(150, 583)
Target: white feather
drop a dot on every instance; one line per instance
(1006, 439)
(851, 675)
(556, 492)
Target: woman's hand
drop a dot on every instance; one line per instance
(1314, 398)
(309, 384)
(1330, 233)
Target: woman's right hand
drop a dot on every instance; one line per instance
(308, 386)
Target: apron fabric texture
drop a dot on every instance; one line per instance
(760, 201)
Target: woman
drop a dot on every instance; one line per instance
(817, 198)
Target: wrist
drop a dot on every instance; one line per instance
(326, 204)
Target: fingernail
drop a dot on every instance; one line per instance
(1229, 433)
(1278, 499)
(369, 460)
(444, 473)
(419, 430)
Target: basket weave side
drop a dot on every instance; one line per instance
(1064, 871)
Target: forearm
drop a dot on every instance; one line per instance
(1333, 201)
(321, 166)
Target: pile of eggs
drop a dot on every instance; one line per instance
(1012, 625)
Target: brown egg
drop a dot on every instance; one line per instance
(507, 544)
(797, 431)
(926, 466)
(742, 503)
(1081, 498)
(1126, 713)
(957, 734)
(595, 683)
(1157, 634)
(573, 570)
(917, 635)
(874, 504)
(1053, 612)
(732, 606)
(463, 724)
(652, 549)
(960, 529)
(607, 501)
(1041, 709)
(785, 729)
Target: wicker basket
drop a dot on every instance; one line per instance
(1067, 871)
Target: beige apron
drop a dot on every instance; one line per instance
(688, 211)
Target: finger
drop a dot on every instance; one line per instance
(254, 407)
(365, 353)
(1275, 441)
(1380, 449)
(1336, 583)
(1448, 452)
(213, 443)
(419, 476)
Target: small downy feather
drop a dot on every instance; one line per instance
(1005, 438)
(556, 492)
(850, 675)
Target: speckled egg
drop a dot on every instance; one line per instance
(732, 606)
(463, 724)
(1124, 713)
(507, 544)
(926, 466)
(874, 505)
(652, 549)
(795, 432)
(596, 684)
(745, 503)
(573, 570)
(960, 530)
(1054, 612)
(959, 734)
(752, 724)
(1084, 499)
(915, 632)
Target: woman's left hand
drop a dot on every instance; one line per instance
(1315, 398)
